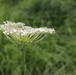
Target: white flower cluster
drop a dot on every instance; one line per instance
(19, 31)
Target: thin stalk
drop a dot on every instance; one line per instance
(24, 61)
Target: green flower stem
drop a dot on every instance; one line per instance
(24, 61)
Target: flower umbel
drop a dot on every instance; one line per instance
(18, 32)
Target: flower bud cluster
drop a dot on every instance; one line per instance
(24, 33)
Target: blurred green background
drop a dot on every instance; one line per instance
(54, 55)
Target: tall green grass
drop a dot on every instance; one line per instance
(56, 54)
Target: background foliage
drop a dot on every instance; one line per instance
(56, 54)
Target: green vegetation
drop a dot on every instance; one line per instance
(56, 54)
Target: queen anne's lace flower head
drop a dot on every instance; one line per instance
(18, 32)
